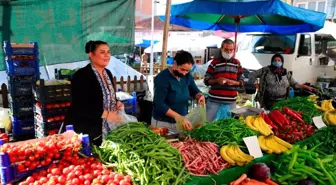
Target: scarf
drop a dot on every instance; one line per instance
(109, 98)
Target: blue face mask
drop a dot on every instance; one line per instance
(276, 64)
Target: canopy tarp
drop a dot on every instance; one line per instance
(61, 28)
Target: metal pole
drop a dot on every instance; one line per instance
(165, 35)
(151, 64)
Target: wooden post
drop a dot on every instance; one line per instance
(141, 82)
(135, 83)
(122, 83)
(165, 35)
(128, 84)
(115, 83)
(4, 93)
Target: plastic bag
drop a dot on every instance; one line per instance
(200, 70)
(125, 118)
(223, 112)
(197, 117)
(5, 121)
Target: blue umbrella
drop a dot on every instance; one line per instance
(272, 16)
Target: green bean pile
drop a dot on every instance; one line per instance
(223, 132)
(136, 150)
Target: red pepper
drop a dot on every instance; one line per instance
(281, 117)
(293, 114)
(268, 120)
(275, 119)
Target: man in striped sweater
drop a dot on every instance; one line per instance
(223, 76)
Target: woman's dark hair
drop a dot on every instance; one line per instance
(91, 46)
(278, 55)
(184, 57)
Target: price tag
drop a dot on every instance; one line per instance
(253, 146)
(318, 121)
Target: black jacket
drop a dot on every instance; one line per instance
(87, 104)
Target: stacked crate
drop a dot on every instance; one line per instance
(22, 67)
(52, 102)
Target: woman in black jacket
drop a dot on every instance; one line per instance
(94, 105)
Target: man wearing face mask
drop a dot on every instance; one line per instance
(275, 82)
(224, 75)
(173, 87)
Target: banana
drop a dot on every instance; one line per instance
(261, 140)
(282, 142)
(245, 156)
(324, 104)
(279, 146)
(225, 156)
(330, 117)
(248, 121)
(231, 153)
(260, 124)
(271, 145)
(319, 108)
(329, 105)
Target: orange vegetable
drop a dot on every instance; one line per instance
(240, 179)
(255, 182)
(270, 182)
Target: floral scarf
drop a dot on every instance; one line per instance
(109, 98)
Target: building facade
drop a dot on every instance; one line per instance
(325, 6)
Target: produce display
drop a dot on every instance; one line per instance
(85, 171)
(302, 105)
(201, 157)
(258, 124)
(290, 125)
(234, 155)
(299, 163)
(136, 150)
(273, 144)
(223, 132)
(326, 105)
(29, 156)
(329, 117)
(324, 141)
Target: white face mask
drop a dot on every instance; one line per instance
(227, 56)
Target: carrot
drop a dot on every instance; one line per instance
(255, 182)
(270, 182)
(240, 179)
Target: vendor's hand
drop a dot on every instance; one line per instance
(232, 82)
(113, 117)
(308, 88)
(200, 99)
(221, 81)
(119, 106)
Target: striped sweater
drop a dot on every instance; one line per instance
(229, 69)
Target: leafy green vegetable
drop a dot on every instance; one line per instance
(223, 132)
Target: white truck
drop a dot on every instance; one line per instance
(307, 55)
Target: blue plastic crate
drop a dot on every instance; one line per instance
(22, 105)
(130, 104)
(22, 67)
(52, 93)
(42, 128)
(21, 86)
(15, 49)
(22, 127)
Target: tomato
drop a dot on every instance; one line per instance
(87, 182)
(105, 178)
(56, 171)
(88, 177)
(30, 179)
(96, 173)
(78, 173)
(61, 179)
(21, 168)
(71, 175)
(43, 180)
(75, 181)
(123, 182)
(128, 178)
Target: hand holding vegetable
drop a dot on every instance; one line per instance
(120, 106)
(200, 98)
(183, 123)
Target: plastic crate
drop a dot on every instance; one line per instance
(21, 105)
(21, 86)
(20, 49)
(22, 127)
(130, 104)
(22, 67)
(42, 128)
(44, 112)
(52, 93)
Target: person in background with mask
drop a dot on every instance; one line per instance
(173, 87)
(223, 76)
(275, 82)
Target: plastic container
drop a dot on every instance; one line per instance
(86, 149)
(130, 104)
(22, 67)
(52, 93)
(43, 129)
(21, 86)
(20, 49)
(22, 105)
(22, 126)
